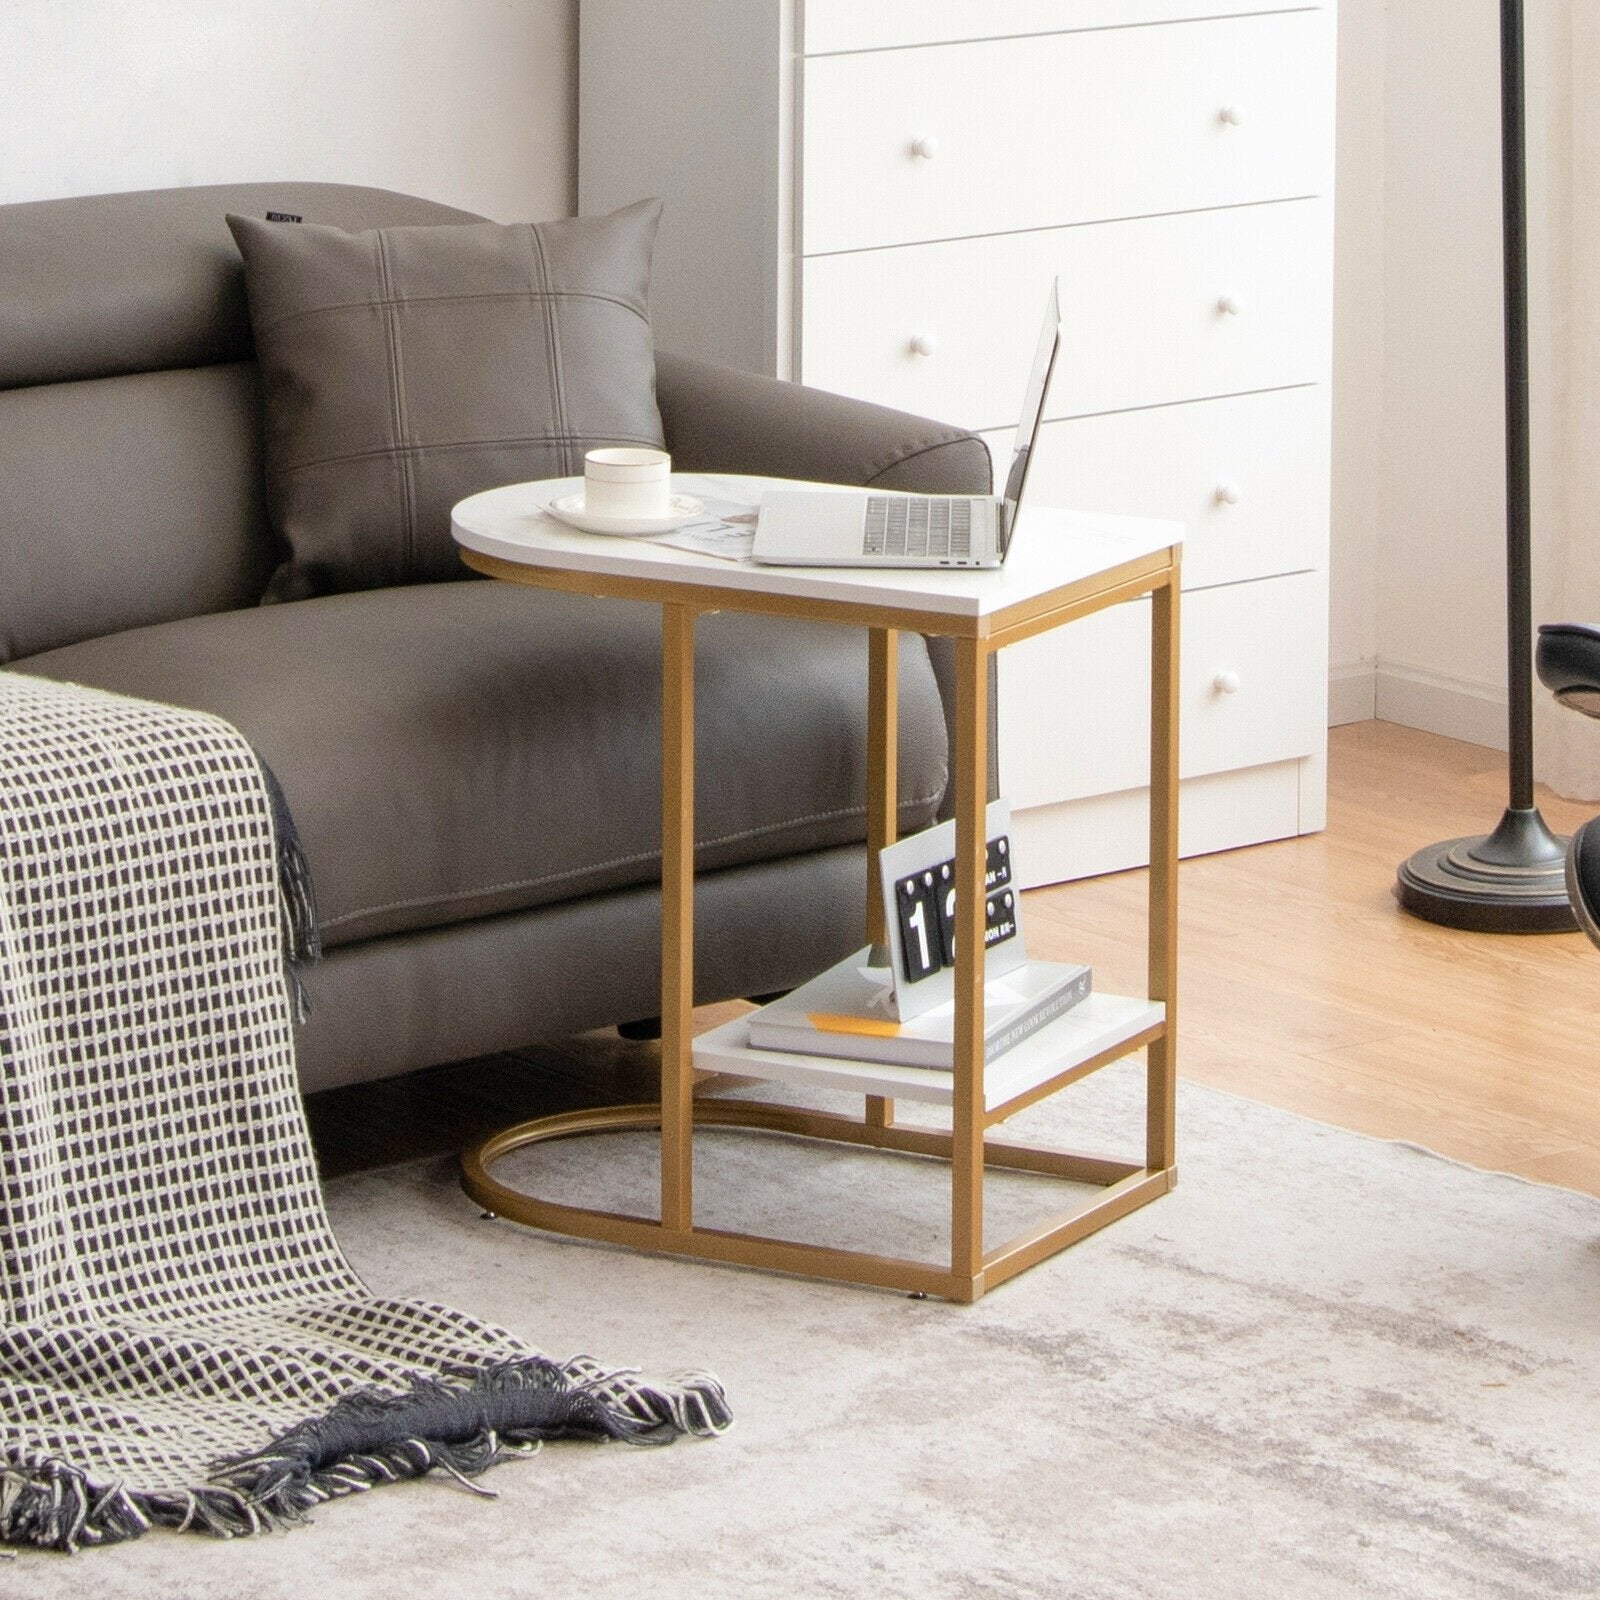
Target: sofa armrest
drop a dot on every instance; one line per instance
(718, 419)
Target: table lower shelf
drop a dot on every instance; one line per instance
(1102, 1026)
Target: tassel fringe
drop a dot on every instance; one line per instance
(369, 1438)
(297, 902)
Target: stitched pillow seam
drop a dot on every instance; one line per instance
(390, 302)
(397, 414)
(379, 451)
(558, 392)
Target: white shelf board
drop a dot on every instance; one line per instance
(1101, 1022)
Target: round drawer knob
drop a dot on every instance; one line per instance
(927, 147)
(1230, 305)
(924, 344)
(1227, 494)
(1231, 116)
(1226, 683)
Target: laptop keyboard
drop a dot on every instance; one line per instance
(914, 525)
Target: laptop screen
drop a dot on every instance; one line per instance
(1032, 407)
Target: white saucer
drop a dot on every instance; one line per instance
(569, 509)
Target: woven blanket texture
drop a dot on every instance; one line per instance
(182, 1343)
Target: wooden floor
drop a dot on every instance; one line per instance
(1301, 983)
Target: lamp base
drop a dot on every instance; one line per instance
(1510, 881)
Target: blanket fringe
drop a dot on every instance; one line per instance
(55, 1506)
(297, 902)
(368, 1438)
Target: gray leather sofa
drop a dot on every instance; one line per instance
(473, 767)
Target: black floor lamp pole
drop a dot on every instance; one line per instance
(1511, 880)
(1519, 512)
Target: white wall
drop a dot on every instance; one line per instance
(465, 101)
(1418, 587)
(1419, 501)
(1440, 565)
(1358, 360)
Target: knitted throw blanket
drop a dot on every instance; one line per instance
(181, 1342)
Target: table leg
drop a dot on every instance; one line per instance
(883, 790)
(1162, 964)
(971, 781)
(677, 915)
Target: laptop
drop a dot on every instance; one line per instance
(821, 528)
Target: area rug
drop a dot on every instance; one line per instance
(1323, 1367)
(182, 1343)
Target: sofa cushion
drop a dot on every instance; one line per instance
(457, 750)
(404, 368)
(149, 281)
(126, 501)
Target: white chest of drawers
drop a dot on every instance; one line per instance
(872, 197)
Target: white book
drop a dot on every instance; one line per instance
(843, 1012)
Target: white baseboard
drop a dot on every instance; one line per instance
(1435, 703)
(1352, 693)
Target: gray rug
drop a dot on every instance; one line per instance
(1323, 1366)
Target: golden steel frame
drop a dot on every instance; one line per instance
(1121, 1186)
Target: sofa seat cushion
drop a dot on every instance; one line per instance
(462, 749)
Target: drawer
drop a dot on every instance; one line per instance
(852, 25)
(1142, 313)
(1074, 704)
(1247, 476)
(1111, 832)
(1064, 128)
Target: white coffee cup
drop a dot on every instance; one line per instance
(627, 482)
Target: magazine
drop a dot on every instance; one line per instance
(726, 529)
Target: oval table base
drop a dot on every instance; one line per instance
(1120, 1187)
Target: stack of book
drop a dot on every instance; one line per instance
(843, 1012)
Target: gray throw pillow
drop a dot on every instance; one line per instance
(405, 368)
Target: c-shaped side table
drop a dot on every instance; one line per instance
(1064, 566)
